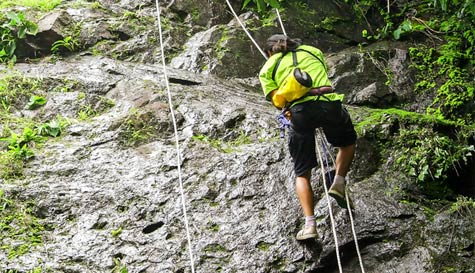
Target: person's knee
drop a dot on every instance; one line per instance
(306, 175)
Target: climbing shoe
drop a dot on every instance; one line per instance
(308, 232)
(337, 191)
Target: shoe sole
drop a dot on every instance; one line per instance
(340, 199)
(306, 237)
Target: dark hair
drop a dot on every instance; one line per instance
(281, 43)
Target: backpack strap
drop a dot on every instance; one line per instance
(275, 67)
(315, 56)
(294, 57)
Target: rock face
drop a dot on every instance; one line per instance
(120, 191)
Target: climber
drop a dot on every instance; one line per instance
(320, 107)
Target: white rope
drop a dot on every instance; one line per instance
(330, 211)
(355, 238)
(280, 21)
(170, 103)
(350, 213)
(245, 30)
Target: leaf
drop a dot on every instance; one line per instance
(35, 102)
(14, 19)
(273, 3)
(397, 34)
(260, 5)
(22, 32)
(246, 2)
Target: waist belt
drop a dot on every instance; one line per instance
(320, 91)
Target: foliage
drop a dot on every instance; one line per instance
(119, 267)
(13, 27)
(44, 5)
(429, 156)
(262, 4)
(138, 128)
(20, 147)
(15, 88)
(52, 128)
(402, 117)
(444, 74)
(20, 229)
(464, 205)
(116, 232)
(10, 165)
(225, 146)
(70, 43)
(36, 102)
(67, 43)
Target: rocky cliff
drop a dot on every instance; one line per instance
(109, 190)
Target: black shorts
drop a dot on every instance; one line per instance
(331, 116)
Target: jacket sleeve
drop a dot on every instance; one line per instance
(265, 77)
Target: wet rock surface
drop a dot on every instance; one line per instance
(111, 190)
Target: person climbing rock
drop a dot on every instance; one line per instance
(320, 107)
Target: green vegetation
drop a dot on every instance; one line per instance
(21, 136)
(116, 232)
(215, 248)
(20, 230)
(138, 128)
(426, 147)
(262, 5)
(432, 146)
(44, 5)
(380, 116)
(13, 27)
(70, 43)
(446, 68)
(463, 206)
(119, 267)
(225, 146)
(430, 156)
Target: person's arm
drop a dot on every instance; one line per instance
(269, 86)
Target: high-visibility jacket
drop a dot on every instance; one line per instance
(272, 78)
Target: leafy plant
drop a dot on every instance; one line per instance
(19, 145)
(44, 5)
(429, 156)
(116, 232)
(21, 229)
(68, 43)
(15, 88)
(463, 206)
(225, 146)
(52, 128)
(13, 27)
(10, 165)
(36, 102)
(262, 4)
(119, 267)
(86, 112)
(138, 128)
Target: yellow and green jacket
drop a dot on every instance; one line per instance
(316, 68)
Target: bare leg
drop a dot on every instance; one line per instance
(344, 158)
(305, 193)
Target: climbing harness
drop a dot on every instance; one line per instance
(320, 137)
(284, 121)
(177, 142)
